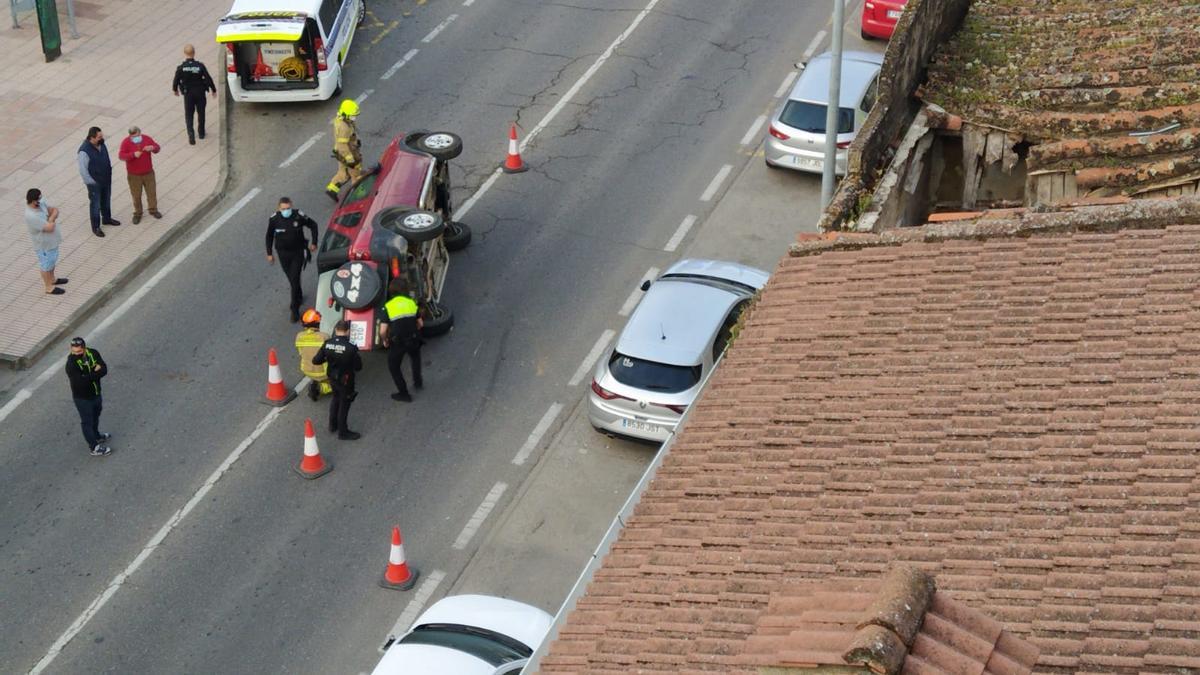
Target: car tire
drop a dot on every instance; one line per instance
(866, 36)
(442, 145)
(337, 91)
(438, 320)
(415, 226)
(457, 236)
(770, 165)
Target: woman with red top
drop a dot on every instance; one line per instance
(136, 151)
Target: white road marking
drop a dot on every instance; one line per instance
(56, 367)
(752, 132)
(439, 28)
(409, 615)
(468, 3)
(535, 436)
(715, 184)
(812, 47)
(636, 295)
(153, 544)
(853, 17)
(399, 64)
(365, 95)
(301, 150)
(481, 514)
(562, 103)
(680, 233)
(786, 84)
(590, 359)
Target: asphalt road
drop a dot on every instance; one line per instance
(267, 572)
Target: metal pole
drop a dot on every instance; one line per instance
(71, 19)
(12, 6)
(828, 176)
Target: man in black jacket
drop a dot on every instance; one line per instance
(344, 361)
(285, 236)
(85, 367)
(192, 81)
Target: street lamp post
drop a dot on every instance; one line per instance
(828, 176)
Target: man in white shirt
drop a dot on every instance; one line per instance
(42, 221)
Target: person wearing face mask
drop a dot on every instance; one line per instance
(96, 171)
(136, 151)
(285, 236)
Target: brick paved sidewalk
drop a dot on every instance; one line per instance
(118, 73)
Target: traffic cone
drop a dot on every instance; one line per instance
(514, 163)
(312, 466)
(399, 576)
(277, 392)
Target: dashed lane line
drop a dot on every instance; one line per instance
(787, 83)
(590, 359)
(680, 233)
(439, 28)
(365, 95)
(752, 133)
(399, 64)
(632, 300)
(301, 150)
(480, 515)
(715, 184)
(413, 608)
(812, 46)
(535, 436)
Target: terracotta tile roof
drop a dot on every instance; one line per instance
(1017, 416)
(1077, 76)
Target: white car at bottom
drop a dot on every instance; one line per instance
(468, 635)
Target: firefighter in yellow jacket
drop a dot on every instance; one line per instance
(346, 148)
(308, 341)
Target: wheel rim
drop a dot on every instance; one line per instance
(419, 221)
(439, 141)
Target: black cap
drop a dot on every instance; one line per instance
(78, 342)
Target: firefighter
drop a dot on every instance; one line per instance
(402, 336)
(308, 341)
(285, 236)
(346, 148)
(344, 361)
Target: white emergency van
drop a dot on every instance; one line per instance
(287, 50)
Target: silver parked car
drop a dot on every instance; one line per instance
(796, 137)
(680, 328)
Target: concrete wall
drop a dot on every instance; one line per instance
(925, 25)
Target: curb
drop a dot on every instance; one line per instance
(138, 265)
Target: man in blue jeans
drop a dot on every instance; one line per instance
(85, 367)
(96, 170)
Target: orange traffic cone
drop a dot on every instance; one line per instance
(277, 392)
(312, 466)
(399, 576)
(514, 163)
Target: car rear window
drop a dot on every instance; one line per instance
(362, 189)
(493, 648)
(810, 117)
(651, 375)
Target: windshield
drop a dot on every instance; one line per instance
(651, 375)
(492, 648)
(810, 117)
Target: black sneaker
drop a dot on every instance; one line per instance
(99, 232)
(419, 384)
(332, 195)
(105, 437)
(349, 436)
(314, 390)
(112, 223)
(402, 396)
(101, 450)
(295, 315)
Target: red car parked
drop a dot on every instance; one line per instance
(879, 18)
(395, 222)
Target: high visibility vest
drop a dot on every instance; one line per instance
(400, 307)
(308, 343)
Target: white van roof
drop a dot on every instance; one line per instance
(266, 20)
(309, 7)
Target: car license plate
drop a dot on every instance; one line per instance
(358, 334)
(640, 426)
(806, 163)
(893, 14)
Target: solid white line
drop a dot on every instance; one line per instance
(399, 64)
(301, 150)
(590, 359)
(363, 96)
(715, 184)
(752, 132)
(562, 103)
(14, 402)
(636, 295)
(414, 606)
(680, 233)
(535, 436)
(481, 514)
(439, 28)
(786, 84)
(812, 46)
(155, 541)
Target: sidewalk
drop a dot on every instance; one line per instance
(117, 73)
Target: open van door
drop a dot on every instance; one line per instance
(272, 51)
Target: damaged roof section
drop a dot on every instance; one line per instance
(1107, 91)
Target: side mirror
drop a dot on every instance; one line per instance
(646, 285)
(799, 66)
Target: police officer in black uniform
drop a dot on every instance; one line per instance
(285, 236)
(192, 81)
(344, 361)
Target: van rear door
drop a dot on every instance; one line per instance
(272, 51)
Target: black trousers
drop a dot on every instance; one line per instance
(89, 418)
(193, 102)
(395, 359)
(339, 405)
(292, 263)
(100, 203)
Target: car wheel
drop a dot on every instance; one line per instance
(415, 226)
(866, 36)
(770, 165)
(438, 320)
(337, 91)
(441, 144)
(457, 236)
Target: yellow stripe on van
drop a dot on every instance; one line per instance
(259, 37)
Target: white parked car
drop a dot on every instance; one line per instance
(468, 635)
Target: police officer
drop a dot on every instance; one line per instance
(192, 80)
(342, 356)
(402, 335)
(285, 236)
(346, 148)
